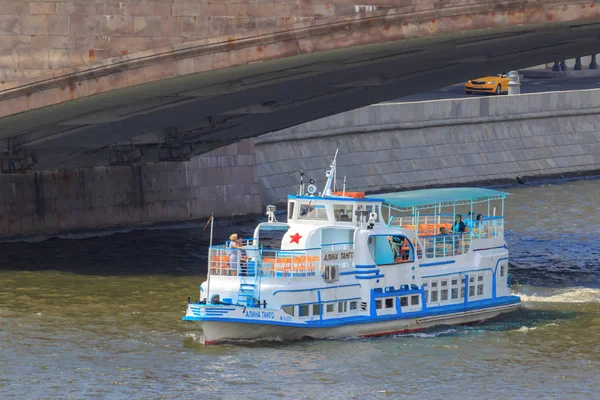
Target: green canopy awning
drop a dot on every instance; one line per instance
(428, 198)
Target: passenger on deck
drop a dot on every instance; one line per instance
(235, 252)
(444, 244)
(469, 221)
(395, 245)
(459, 226)
(478, 221)
(478, 226)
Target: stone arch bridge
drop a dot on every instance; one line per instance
(96, 82)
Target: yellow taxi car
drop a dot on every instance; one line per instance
(496, 84)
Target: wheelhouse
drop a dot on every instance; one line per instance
(337, 210)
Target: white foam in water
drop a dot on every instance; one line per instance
(196, 337)
(570, 295)
(525, 329)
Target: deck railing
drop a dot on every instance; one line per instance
(226, 261)
(446, 245)
(430, 225)
(489, 228)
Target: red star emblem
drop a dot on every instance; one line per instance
(295, 238)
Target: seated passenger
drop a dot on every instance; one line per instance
(443, 244)
(459, 226)
(478, 226)
(305, 211)
(478, 221)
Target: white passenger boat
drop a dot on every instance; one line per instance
(339, 270)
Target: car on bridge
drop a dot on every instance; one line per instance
(495, 84)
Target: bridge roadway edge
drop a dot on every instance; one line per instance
(456, 142)
(390, 146)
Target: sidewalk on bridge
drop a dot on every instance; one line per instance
(545, 70)
(548, 73)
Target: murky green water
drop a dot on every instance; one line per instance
(101, 318)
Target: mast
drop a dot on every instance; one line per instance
(209, 258)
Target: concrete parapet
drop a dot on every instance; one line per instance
(45, 202)
(395, 146)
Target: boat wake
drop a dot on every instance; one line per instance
(570, 295)
(428, 334)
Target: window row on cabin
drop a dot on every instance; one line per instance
(330, 308)
(341, 212)
(452, 288)
(390, 302)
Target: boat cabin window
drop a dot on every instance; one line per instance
(389, 302)
(303, 311)
(387, 250)
(288, 310)
(312, 212)
(414, 300)
(342, 212)
(316, 309)
(291, 205)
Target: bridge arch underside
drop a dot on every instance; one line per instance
(213, 108)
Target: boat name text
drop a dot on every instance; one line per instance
(338, 256)
(260, 314)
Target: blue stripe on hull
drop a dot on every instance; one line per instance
(337, 322)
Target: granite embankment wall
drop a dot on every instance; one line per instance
(455, 142)
(223, 181)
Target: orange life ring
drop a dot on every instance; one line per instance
(354, 195)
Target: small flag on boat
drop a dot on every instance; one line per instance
(207, 222)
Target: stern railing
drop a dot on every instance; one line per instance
(252, 260)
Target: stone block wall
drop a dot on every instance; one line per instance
(458, 142)
(223, 182)
(39, 38)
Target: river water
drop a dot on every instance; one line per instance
(100, 317)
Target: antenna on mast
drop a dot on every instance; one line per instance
(330, 174)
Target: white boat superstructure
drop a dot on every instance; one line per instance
(353, 265)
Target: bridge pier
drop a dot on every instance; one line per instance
(223, 181)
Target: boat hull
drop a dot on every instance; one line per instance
(215, 331)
